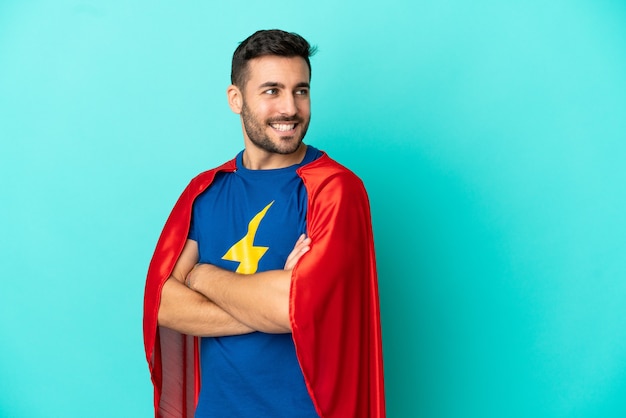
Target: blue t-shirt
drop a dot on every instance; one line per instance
(249, 221)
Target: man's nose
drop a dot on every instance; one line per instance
(288, 105)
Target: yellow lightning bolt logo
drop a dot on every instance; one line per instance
(244, 251)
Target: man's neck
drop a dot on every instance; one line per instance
(255, 159)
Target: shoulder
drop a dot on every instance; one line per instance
(204, 179)
(325, 174)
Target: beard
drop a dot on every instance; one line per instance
(257, 132)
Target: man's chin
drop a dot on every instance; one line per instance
(287, 145)
(283, 145)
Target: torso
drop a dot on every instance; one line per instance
(258, 374)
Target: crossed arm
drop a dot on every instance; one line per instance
(205, 300)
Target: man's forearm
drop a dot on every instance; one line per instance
(260, 300)
(189, 312)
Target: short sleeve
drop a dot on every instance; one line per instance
(193, 234)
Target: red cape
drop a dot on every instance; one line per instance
(333, 306)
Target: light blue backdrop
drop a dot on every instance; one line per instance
(491, 137)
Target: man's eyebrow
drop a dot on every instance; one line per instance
(282, 86)
(271, 84)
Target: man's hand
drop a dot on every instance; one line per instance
(200, 272)
(301, 247)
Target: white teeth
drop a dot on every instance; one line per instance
(283, 127)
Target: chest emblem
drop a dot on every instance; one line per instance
(244, 251)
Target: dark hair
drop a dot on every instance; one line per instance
(268, 42)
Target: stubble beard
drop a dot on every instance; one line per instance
(255, 130)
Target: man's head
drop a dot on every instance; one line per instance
(270, 91)
(268, 42)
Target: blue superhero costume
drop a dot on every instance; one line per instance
(249, 221)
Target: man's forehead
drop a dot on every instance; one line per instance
(274, 69)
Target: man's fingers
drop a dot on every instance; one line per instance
(301, 247)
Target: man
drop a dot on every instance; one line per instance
(269, 260)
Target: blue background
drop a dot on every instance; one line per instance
(490, 136)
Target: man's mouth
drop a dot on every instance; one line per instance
(283, 127)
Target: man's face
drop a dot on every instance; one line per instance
(276, 106)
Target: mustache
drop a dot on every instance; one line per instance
(285, 119)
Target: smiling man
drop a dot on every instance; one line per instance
(261, 298)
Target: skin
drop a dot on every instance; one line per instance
(277, 91)
(204, 300)
(185, 309)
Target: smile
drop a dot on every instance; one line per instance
(283, 127)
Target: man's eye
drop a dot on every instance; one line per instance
(271, 91)
(302, 92)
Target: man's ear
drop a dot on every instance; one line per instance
(235, 98)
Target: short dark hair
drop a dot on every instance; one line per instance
(268, 42)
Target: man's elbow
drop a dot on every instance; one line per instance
(276, 328)
(278, 322)
(282, 321)
(164, 317)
